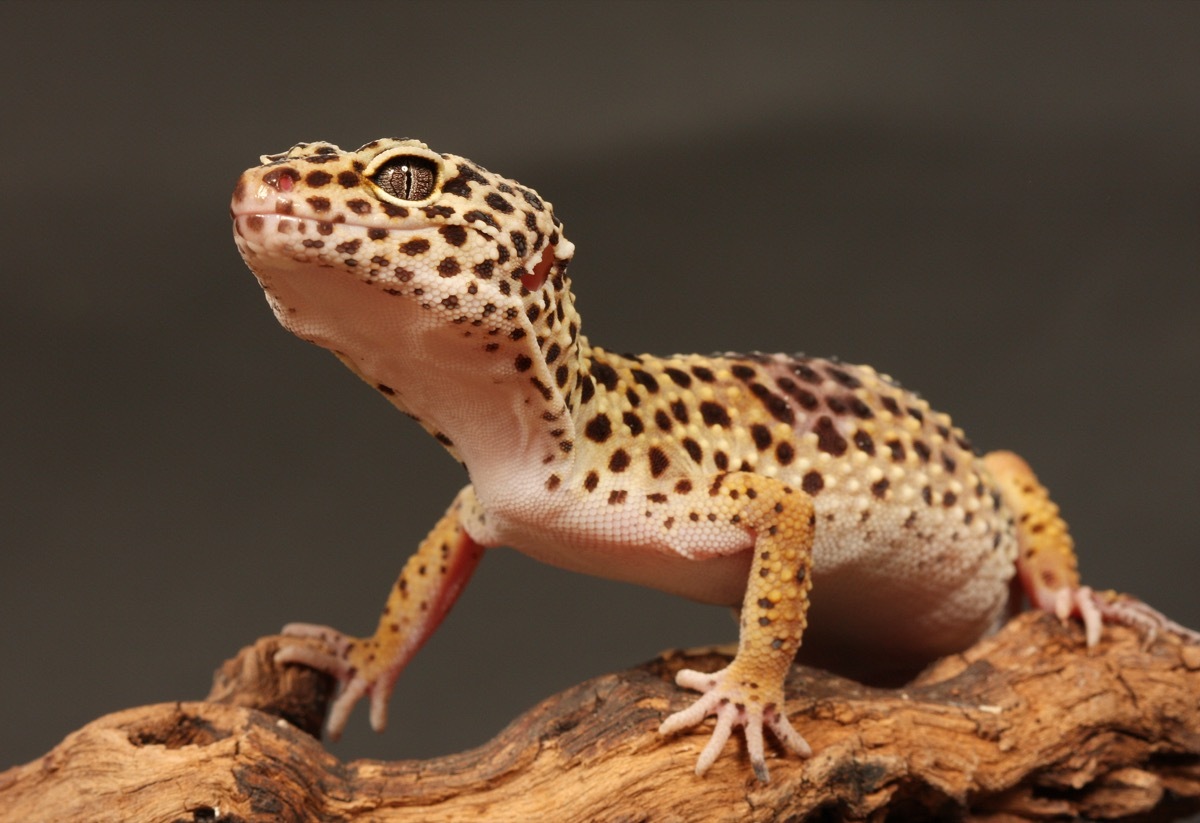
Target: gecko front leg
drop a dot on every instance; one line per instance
(425, 590)
(749, 691)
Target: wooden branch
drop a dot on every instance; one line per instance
(1025, 725)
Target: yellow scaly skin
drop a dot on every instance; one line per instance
(727, 479)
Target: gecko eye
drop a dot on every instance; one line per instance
(407, 177)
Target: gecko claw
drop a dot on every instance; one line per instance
(1095, 609)
(733, 706)
(354, 682)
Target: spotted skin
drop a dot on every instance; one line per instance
(730, 479)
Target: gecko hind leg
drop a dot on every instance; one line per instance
(1047, 568)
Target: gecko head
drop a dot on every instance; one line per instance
(395, 233)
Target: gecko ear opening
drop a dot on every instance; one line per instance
(535, 279)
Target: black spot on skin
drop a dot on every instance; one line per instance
(714, 414)
(659, 462)
(742, 372)
(762, 436)
(722, 460)
(619, 461)
(443, 439)
(785, 453)
(891, 405)
(634, 399)
(846, 379)
(807, 374)
(438, 211)
(553, 352)
(776, 405)
(949, 464)
(657, 497)
(836, 405)
(586, 388)
(917, 415)
(949, 499)
(693, 449)
(897, 450)
(457, 186)
(598, 429)
(679, 411)
(498, 203)
(646, 380)
(703, 374)
(561, 375)
(388, 390)
(679, 378)
(859, 407)
(927, 495)
(604, 374)
(812, 482)
(591, 481)
(807, 400)
(349, 247)
(879, 487)
(552, 482)
(347, 179)
(635, 424)
(318, 178)
(922, 450)
(455, 235)
(829, 439)
(864, 442)
(523, 362)
(477, 216)
(414, 247)
(358, 206)
(377, 234)
(662, 420)
(520, 245)
(617, 496)
(319, 204)
(392, 210)
(448, 267)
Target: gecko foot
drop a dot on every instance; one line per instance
(1096, 608)
(353, 664)
(735, 702)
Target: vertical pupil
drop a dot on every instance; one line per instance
(407, 178)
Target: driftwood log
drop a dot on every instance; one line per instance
(1025, 725)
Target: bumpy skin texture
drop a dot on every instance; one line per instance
(729, 479)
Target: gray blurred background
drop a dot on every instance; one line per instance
(996, 203)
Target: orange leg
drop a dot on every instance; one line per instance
(427, 587)
(1047, 568)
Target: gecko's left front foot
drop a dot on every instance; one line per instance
(736, 701)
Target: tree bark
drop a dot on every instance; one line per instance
(1027, 724)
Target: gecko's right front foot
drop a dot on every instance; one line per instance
(735, 701)
(353, 662)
